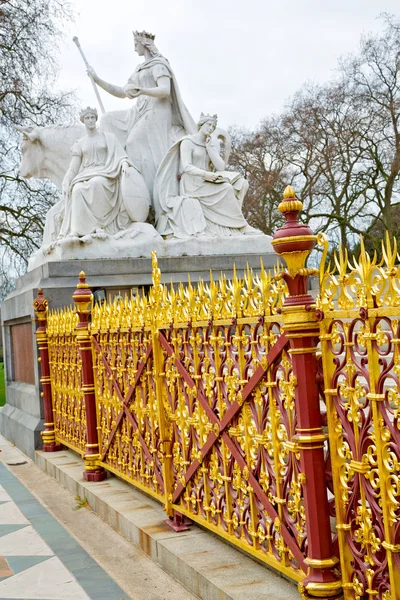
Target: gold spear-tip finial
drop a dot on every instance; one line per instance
(156, 273)
(289, 192)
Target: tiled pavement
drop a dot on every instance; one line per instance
(39, 560)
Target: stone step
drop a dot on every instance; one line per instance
(205, 565)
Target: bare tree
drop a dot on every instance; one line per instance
(328, 153)
(337, 144)
(30, 31)
(373, 79)
(315, 146)
(259, 156)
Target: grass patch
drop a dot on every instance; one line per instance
(2, 385)
(81, 503)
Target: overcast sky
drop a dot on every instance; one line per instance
(242, 59)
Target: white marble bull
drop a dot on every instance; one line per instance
(46, 154)
(46, 151)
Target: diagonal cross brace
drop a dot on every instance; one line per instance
(125, 402)
(230, 413)
(233, 410)
(259, 492)
(185, 375)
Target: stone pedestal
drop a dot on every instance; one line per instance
(21, 419)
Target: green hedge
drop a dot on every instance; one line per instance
(2, 385)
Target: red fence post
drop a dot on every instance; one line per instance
(294, 242)
(40, 306)
(83, 299)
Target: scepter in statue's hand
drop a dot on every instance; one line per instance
(90, 72)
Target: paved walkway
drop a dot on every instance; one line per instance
(39, 559)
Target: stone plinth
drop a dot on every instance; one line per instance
(21, 419)
(140, 240)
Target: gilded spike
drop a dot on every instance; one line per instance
(262, 268)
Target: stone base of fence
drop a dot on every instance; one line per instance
(205, 565)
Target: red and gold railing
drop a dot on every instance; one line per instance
(207, 398)
(359, 311)
(68, 405)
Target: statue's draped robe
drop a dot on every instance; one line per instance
(152, 125)
(95, 200)
(186, 205)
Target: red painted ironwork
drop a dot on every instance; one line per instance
(294, 242)
(83, 298)
(226, 478)
(362, 385)
(125, 412)
(232, 411)
(40, 306)
(209, 399)
(131, 444)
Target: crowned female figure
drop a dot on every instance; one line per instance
(158, 118)
(193, 194)
(99, 185)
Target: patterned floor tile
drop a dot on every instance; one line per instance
(21, 563)
(49, 580)
(3, 495)
(24, 542)
(6, 529)
(29, 539)
(11, 515)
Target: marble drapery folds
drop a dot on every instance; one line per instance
(151, 125)
(186, 205)
(95, 201)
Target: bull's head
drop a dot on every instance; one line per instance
(28, 133)
(46, 151)
(29, 149)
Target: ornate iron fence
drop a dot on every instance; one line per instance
(208, 397)
(130, 419)
(359, 315)
(195, 406)
(69, 413)
(228, 394)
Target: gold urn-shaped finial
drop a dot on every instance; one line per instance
(40, 306)
(290, 203)
(82, 295)
(294, 241)
(82, 281)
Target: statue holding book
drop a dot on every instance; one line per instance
(194, 194)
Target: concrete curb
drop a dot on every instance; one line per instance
(203, 564)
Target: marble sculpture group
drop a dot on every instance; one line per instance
(148, 169)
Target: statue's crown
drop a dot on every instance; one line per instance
(88, 111)
(207, 117)
(144, 34)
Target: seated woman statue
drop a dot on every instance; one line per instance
(193, 194)
(103, 192)
(157, 119)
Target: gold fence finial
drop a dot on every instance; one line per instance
(82, 285)
(40, 305)
(294, 240)
(290, 202)
(289, 192)
(82, 295)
